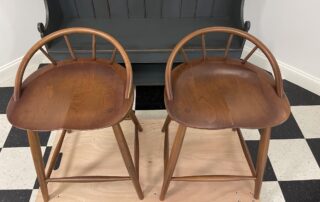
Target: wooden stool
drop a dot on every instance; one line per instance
(75, 94)
(222, 92)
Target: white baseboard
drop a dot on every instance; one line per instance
(38, 57)
(11, 64)
(8, 71)
(290, 73)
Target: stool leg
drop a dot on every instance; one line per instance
(137, 127)
(135, 120)
(38, 162)
(166, 124)
(176, 148)
(127, 158)
(262, 160)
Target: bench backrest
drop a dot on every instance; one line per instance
(149, 8)
(148, 29)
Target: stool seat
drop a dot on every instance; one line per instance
(77, 94)
(224, 93)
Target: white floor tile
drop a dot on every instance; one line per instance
(293, 160)
(151, 114)
(8, 76)
(7, 81)
(271, 192)
(308, 119)
(34, 195)
(5, 127)
(52, 137)
(250, 134)
(17, 169)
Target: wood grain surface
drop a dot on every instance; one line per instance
(96, 153)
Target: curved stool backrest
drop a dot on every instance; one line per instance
(64, 33)
(232, 32)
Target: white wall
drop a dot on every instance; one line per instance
(290, 28)
(18, 27)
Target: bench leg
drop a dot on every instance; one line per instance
(166, 124)
(262, 160)
(169, 169)
(127, 159)
(36, 153)
(135, 120)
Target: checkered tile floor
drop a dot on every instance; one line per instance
(292, 172)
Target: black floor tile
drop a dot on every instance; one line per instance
(149, 97)
(46, 155)
(287, 130)
(301, 191)
(300, 96)
(18, 138)
(5, 95)
(36, 184)
(314, 145)
(45, 160)
(42, 65)
(15, 195)
(269, 174)
(58, 161)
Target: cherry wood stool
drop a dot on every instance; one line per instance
(75, 94)
(222, 92)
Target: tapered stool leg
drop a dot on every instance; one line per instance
(135, 120)
(137, 128)
(262, 160)
(127, 158)
(166, 124)
(176, 148)
(38, 162)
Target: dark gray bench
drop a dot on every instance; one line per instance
(148, 29)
